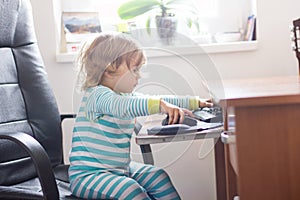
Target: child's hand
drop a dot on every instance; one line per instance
(173, 111)
(205, 103)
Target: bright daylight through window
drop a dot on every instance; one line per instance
(204, 21)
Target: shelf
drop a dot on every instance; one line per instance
(212, 48)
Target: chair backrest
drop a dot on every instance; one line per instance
(296, 39)
(27, 103)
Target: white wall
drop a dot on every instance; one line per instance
(192, 169)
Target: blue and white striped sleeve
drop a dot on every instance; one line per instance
(103, 100)
(189, 102)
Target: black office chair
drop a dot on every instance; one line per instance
(296, 39)
(31, 161)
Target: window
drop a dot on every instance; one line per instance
(215, 16)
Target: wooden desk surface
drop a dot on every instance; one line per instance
(261, 91)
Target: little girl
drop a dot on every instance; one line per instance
(100, 165)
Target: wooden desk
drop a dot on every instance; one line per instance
(265, 117)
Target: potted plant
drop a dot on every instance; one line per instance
(166, 22)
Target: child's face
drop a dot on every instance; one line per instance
(127, 78)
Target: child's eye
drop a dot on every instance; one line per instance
(136, 70)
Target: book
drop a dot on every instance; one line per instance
(250, 33)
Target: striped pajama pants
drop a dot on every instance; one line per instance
(142, 182)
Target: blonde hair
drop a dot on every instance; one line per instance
(106, 53)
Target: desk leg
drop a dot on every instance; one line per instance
(226, 179)
(147, 154)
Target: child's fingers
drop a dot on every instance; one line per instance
(181, 117)
(188, 112)
(205, 104)
(175, 117)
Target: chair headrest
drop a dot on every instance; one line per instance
(16, 23)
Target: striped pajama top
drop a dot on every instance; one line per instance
(104, 126)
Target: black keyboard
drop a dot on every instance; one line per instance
(209, 114)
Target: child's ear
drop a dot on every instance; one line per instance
(108, 74)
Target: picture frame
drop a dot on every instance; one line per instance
(78, 27)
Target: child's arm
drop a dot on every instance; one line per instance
(103, 100)
(188, 102)
(170, 105)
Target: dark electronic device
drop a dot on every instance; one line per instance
(190, 124)
(209, 114)
(187, 121)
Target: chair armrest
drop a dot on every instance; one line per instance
(66, 116)
(40, 159)
(137, 127)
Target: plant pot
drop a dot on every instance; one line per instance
(166, 27)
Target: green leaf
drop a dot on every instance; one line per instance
(148, 22)
(175, 2)
(189, 22)
(135, 8)
(183, 5)
(197, 26)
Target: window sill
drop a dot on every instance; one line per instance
(187, 50)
